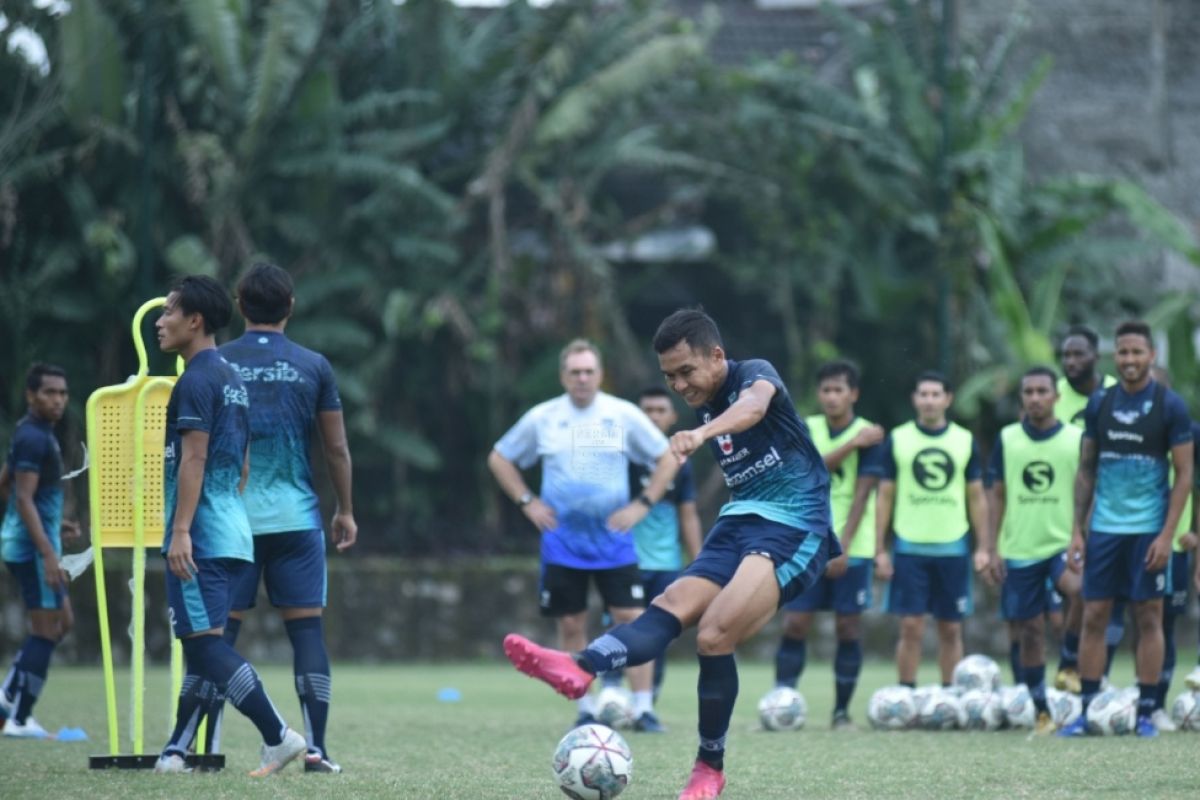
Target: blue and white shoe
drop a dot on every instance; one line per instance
(1145, 728)
(32, 729)
(1076, 728)
(648, 723)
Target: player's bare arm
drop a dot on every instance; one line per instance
(1160, 549)
(745, 412)
(689, 528)
(868, 436)
(885, 500)
(193, 456)
(977, 511)
(512, 484)
(633, 512)
(343, 529)
(1085, 490)
(997, 499)
(5, 483)
(25, 485)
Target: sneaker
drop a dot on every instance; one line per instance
(1044, 726)
(1192, 680)
(1067, 680)
(170, 764)
(1162, 720)
(705, 783)
(551, 666)
(276, 757)
(585, 718)
(32, 729)
(316, 762)
(648, 723)
(1073, 729)
(841, 721)
(1145, 728)
(1105, 683)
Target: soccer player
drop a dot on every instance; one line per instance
(1077, 355)
(1032, 477)
(850, 447)
(31, 537)
(207, 543)
(931, 496)
(1131, 431)
(770, 543)
(292, 393)
(586, 439)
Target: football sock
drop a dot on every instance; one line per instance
(1068, 657)
(1147, 698)
(909, 684)
(847, 664)
(1035, 678)
(1014, 660)
(789, 661)
(717, 690)
(643, 702)
(632, 643)
(9, 686)
(194, 695)
(233, 675)
(1113, 633)
(660, 671)
(1088, 689)
(31, 669)
(1169, 656)
(215, 708)
(313, 682)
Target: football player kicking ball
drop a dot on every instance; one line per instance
(770, 542)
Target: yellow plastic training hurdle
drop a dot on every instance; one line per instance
(126, 427)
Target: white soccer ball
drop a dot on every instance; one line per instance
(614, 707)
(977, 672)
(782, 709)
(941, 711)
(1113, 712)
(982, 711)
(1064, 707)
(892, 708)
(592, 762)
(1185, 711)
(1017, 705)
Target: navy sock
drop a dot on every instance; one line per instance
(1068, 657)
(660, 671)
(1087, 690)
(1147, 698)
(909, 684)
(789, 661)
(1169, 656)
(31, 669)
(195, 694)
(215, 707)
(236, 679)
(847, 664)
(313, 683)
(1110, 651)
(1014, 660)
(1035, 679)
(233, 626)
(633, 643)
(717, 690)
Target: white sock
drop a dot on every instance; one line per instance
(587, 704)
(643, 702)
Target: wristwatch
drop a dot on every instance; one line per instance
(525, 499)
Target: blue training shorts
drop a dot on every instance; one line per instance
(656, 581)
(292, 565)
(1028, 590)
(937, 585)
(202, 603)
(799, 556)
(1115, 568)
(30, 576)
(849, 594)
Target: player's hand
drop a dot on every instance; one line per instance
(684, 443)
(70, 530)
(982, 560)
(56, 578)
(179, 556)
(883, 566)
(1075, 553)
(868, 436)
(540, 514)
(1159, 553)
(343, 530)
(1189, 540)
(836, 567)
(997, 570)
(624, 518)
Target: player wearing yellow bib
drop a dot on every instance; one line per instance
(930, 496)
(850, 447)
(1031, 477)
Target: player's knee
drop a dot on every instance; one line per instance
(949, 633)
(1031, 635)
(912, 628)
(1095, 620)
(848, 627)
(714, 638)
(1149, 617)
(795, 626)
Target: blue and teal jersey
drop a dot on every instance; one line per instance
(1134, 434)
(209, 397)
(288, 386)
(34, 449)
(772, 468)
(656, 537)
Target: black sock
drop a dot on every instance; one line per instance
(32, 667)
(632, 643)
(789, 661)
(717, 690)
(847, 664)
(1088, 690)
(313, 681)
(1035, 679)
(1147, 698)
(1014, 660)
(1068, 657)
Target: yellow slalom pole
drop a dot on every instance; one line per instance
(110, 688)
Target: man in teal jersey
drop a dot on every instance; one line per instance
(1032, 476)
(850, 446)
(931, 496)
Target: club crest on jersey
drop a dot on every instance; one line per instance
(725, 443)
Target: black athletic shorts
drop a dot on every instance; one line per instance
(564, 590)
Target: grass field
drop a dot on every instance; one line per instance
(396, 740)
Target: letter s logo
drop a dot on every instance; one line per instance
(933, 468)
(1038, 477)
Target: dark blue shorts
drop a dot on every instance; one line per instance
(799, 556)
(1054, 600)
(937, 585)
(656, 581)
(1027, 590)
(849, 594)
(1180, 577)
(202, 603)
(1115, 568)
(30, 576)
(292, 565)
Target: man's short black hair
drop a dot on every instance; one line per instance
(932, 375)
(653, 391)
(691, 325)
(1135, 327)
(33, 378)
(1042, 370)
(833, 369)
(265, 294)
(200, 294)
(1086, 333)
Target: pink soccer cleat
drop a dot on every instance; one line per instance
(551, 666)
(706, 783)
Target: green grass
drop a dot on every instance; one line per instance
(397, 741)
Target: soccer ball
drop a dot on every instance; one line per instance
(941, 711)
(614, 707)
(592, 762)
(1017, 705)
(1113, 712)
(1185, 711)
(1064, 707)
(982, 711)
(892, 708)
(977, 672)
(782, 709)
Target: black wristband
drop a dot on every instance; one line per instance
(646, 501)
